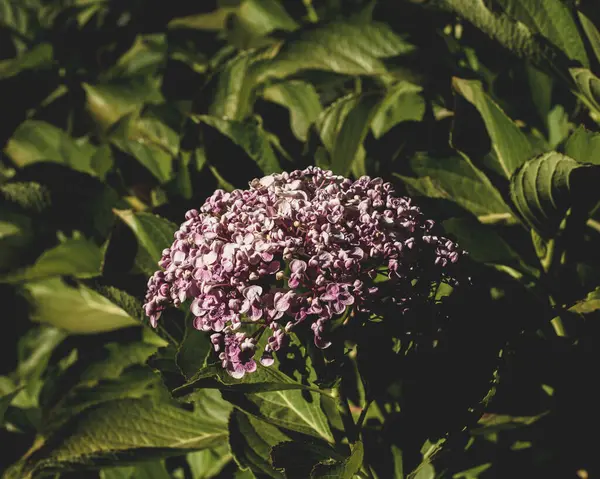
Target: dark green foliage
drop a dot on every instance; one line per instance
(118, 117)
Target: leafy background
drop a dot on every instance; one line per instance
(119, 116)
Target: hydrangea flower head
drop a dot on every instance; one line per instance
(299, 247)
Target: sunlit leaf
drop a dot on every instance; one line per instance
(554, 20)
(457, 179)
(111, 430)
(545, 187)
(401, 103)
(250, 137)
(301, 99)
(75, 257)
(583, 146)
(509, 144)
(352, 48)
(288, 409)
(75, 308)
(251, 441)
(153, 233)
(39, 141)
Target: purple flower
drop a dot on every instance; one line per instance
(346, 244)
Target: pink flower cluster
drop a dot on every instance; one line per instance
(295, 247)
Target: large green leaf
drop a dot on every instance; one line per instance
(119, 357)
(299, 458)
(37, 141)
(251, 441)
(193, 350)
(593, 35)
(509, 144)
(554, 20)
(544, 188)
(207, 463)
(343, 126)
(482, 242)
(74, 257)
(5, 400)
(146, 470)
(153, 233)
(513, 35)
(341, 469)
(108, 102)
(148, 140)
(264, 379)
(351, 48)
(352, 132)
(583, 146)
(135, 382)
(233, 88)
(589, 87)
(301, 99)
(590, 304)
(132, 429)
(402, 102)
(77, 309)
(250, 137)
(290, 409)
(457, 179)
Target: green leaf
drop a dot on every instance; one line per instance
(146, 470)
(193, 350)
(301, 99)
(589, 87)
(233, 89)
(356, 124)
(262, 380)
(298, 458)
(593, 35)
(481, 241)
(208, 463)
(149, 141)
(544, 188)
(552, 19)
(351, 48)
(457, 179)
(289, 409)
(264, 16)
(251, 442)
(130, 304)
(509, 144)
(341, 469)
(472, 473)
(29, 196)
(590, 304)
(130, 429)
(76, 309)
(343, 127)
(135, 382)
(74, 257)
(109, 102)
(35, 348)
(153, 233)
(250, 137)
(35, 141)
(119, 357)
(512, 35)
(38, 57)
(5, 401)
(583, 146)
(16, 236)
(401, 103)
